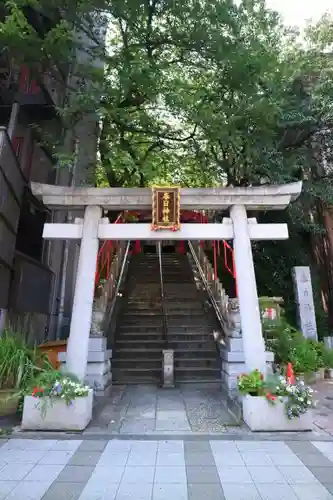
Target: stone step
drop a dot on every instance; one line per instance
(195, 373)
(138, 352)
(124, 335)
(140, 375)
(153, 321)
(173, 332)
(141, 329)
(188, 322)
(181, 354)
(126, 344)
(158, 312)
(144, 364)
(191, 345)
(198, 363)
(137, 356)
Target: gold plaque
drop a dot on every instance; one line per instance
(165, 208)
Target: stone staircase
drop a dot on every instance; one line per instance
(139, 340)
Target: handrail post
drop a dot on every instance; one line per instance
(119, 281)
(165, 326)
(168, 357)
(207, 285)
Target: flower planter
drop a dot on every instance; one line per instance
(59, 416)
(9, 400)
(260, 415)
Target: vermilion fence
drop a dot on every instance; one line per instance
(108, 248)
(105, 255)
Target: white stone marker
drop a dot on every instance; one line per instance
(305, 306)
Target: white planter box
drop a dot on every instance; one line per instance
(59, 416)
(260, 415)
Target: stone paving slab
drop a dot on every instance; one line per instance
(323, 413)
(144, 409)
(124, 469)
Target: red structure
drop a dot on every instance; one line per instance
(107, 249)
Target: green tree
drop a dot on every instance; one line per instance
(197, 93)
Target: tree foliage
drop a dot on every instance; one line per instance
(190, 90)
(196, 93)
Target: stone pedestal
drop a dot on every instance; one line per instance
(98, 373)
(168, 368)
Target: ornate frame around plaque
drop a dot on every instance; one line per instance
(165, 208)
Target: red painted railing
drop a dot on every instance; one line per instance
(105, 254)
(229, 261)
(27, 84)
(17, 146)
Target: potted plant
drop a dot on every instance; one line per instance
(328, 362)
(275, 404)
(18, 364)
(57, 401)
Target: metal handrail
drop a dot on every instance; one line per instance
(207, 287)
(165, 321)
(120, 279)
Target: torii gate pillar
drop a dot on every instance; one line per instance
(253, 342)
(77, 346)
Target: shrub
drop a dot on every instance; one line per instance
(289, 346)
(19, 362)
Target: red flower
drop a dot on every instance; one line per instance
(269, 395)
(273, 398)
(36, 391)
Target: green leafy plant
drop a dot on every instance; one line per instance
(19, 362)
(251, 383)
(289, 346)
(52, 385)
(319, 349)
(304, 358)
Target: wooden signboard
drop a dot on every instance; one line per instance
(165, 208)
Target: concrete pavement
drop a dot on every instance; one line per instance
(167, 469)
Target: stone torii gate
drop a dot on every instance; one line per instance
(93, 227)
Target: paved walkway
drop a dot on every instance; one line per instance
(323, 414)
(162, 470)
(132, 410)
